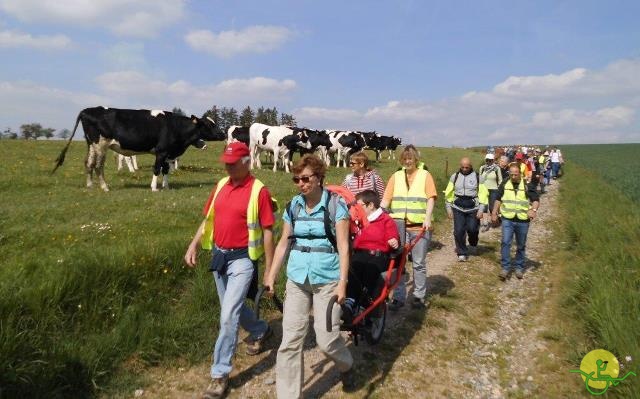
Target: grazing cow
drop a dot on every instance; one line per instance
(279, 140)
(129, 132)
(132, 162)
(238, 133)
(392, 144)
(318, 141)
(345, 143)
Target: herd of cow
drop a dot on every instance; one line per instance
(168, 135)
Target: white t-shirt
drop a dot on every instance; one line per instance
(555, 156)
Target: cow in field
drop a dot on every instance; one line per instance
(128, 132)
(345, 143)
(391, 144)
(238, 133)
(279, 140)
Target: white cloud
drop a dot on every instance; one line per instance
(138, 18)
(26, 40)
(226, 44)
(136, 90)
(578, 106)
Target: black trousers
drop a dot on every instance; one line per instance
(465, 224)
(364, 272)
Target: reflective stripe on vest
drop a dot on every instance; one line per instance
(411, 203)
(255, 243)
(512, 204)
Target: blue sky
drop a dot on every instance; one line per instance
(436, 73)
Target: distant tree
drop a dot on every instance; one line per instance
(213, 113)
(228, 117)
(287, 119)
(177, 110)
(64, 133)
(261, 116)
(48, 132)
(31, 131)
(247, 116)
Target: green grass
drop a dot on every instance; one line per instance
(614, 163)
(92, 284)
(601, 234)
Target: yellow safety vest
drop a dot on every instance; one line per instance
(514, 204)
(409, 203)
(541, 160)
(256, 241)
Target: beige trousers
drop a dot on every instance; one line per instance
(295, 322)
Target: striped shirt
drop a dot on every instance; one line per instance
(369, 181)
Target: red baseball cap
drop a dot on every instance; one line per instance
(519, 155)
(234, 151)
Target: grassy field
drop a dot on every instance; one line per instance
(599, 200)
(92, 285)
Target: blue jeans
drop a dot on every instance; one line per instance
(520, 229)
(555, 168)
(419, 262)
(232, 291)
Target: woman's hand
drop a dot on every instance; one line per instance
(341, 291)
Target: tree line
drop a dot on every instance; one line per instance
(223, 117)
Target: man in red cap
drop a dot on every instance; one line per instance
(238, 228)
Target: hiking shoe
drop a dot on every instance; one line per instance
(473, 250)
(504, 274)
(348, 379)
(462, 258)
(519, 274)
(347, 313)
(395, 305)
(255, 346)
(217, 388)
(418, 303)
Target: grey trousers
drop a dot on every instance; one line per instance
(419, 264)
(300, 298)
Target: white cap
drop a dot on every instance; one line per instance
(489, 156)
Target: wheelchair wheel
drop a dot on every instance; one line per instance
(374, 325)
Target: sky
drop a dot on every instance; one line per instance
(443, 73)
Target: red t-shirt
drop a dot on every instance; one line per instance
(376, 235)
(230, 207)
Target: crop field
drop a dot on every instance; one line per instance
(599, 200)
(614, 163)
(93, 288)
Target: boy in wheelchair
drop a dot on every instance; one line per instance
(372, 251)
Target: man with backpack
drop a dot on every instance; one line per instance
(517, 204)
(491, 177)
(465, 200)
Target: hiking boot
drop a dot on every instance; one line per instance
(217, 388)
(519, 274)
(395, 305)
(348, 379)
(504, 274)
(473, 250)
(462, 258)
(418, 303)
(255, 346)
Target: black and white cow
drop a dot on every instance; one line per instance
(344, 143)
(129, 132)
(279, 140)
(318, 142)
(131, 162)
(238, 133)
(391, 144)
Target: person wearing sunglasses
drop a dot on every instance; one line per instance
(238, 228)
(410, 196)
(316, 271)
(362, 177)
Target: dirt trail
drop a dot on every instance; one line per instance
(480, 338)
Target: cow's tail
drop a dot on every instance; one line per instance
(63, 153)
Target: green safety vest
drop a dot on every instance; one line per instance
(514, 204)
(409, 203)
(256, 242)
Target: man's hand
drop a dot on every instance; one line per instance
(269, 283)
(480, 214)
(393, 243)
(494, 218)
(532, 214)
(449, 213)
(341, 291)
(191, 257)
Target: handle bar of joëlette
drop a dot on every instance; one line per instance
(392, 279)
(259, 295)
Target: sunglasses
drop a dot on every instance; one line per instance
(351, 163)
(304, 179)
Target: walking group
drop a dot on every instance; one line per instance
(323, 258)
